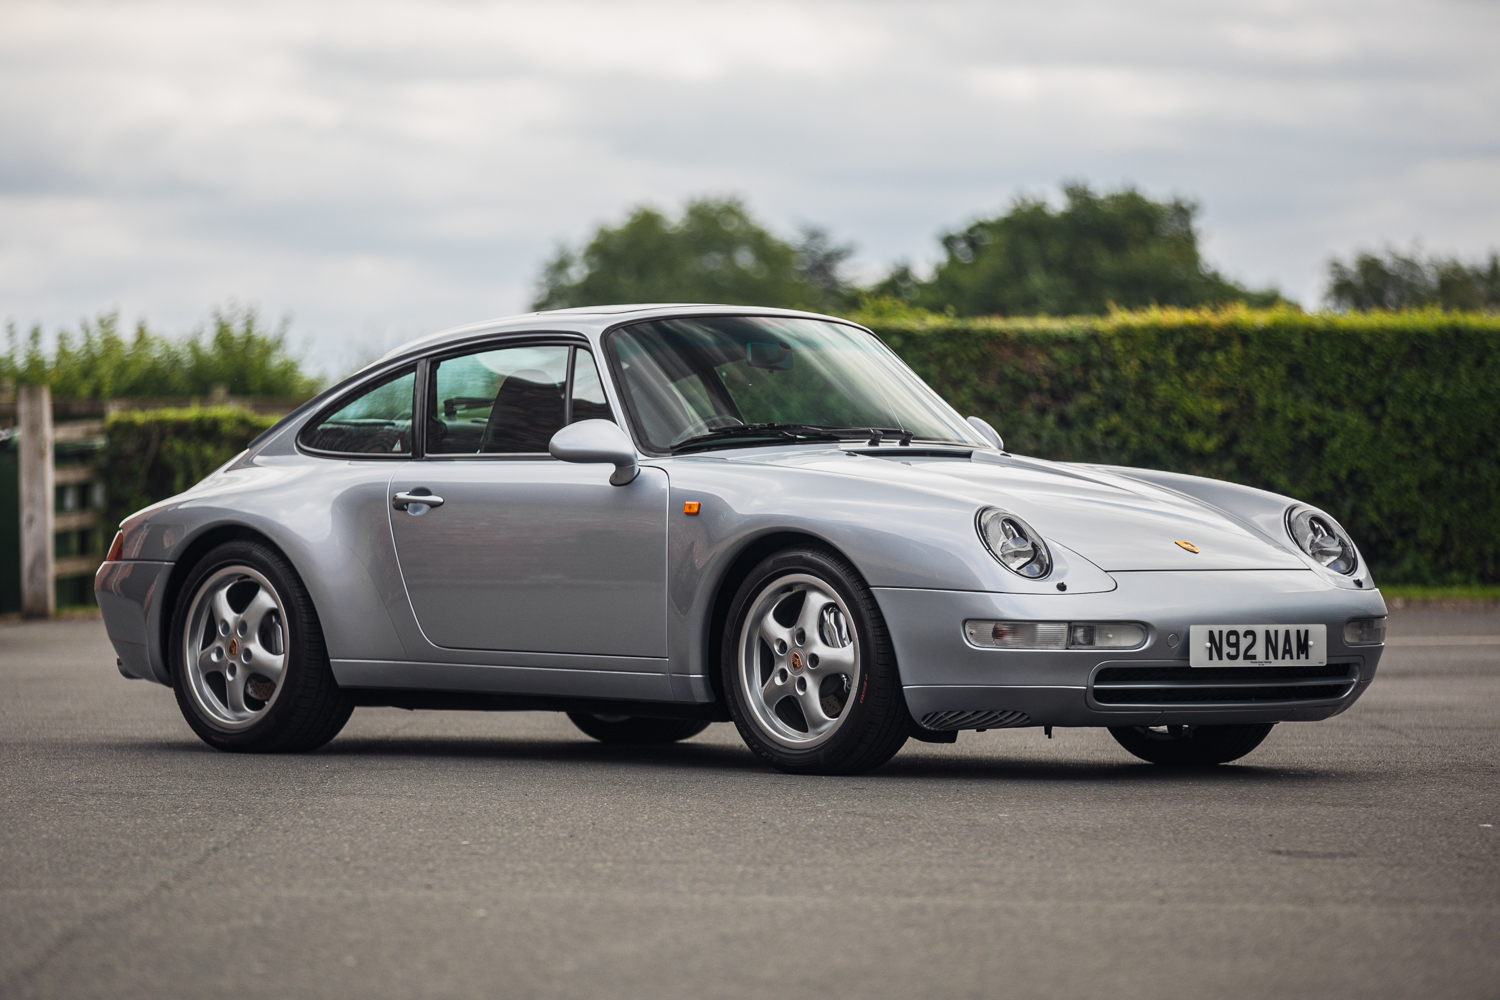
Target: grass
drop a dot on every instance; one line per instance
(1413, 593)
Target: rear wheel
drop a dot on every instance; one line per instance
(1187, 745)
(631, 729)
(808, 667)
(248, 661)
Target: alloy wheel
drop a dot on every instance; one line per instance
(799, 660)
(235, 647)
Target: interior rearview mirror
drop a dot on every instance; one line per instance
(769, 356)
(597, 441)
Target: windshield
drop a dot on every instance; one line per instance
(686, 379)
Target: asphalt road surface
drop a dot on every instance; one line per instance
(479, 855)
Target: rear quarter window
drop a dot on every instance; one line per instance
(376, 421)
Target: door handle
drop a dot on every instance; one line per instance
(400, 500)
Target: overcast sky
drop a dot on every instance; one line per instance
(382, 169)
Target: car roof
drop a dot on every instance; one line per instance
(585, 319)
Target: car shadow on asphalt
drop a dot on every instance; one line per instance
(499, 749)
(721, 758)
(1113, 773)
(583, 750)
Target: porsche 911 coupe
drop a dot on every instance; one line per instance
(654, 518)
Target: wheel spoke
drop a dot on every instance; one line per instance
(812, 607)
(206, 662)
(234, 688)
(772, 632)
(267, 664)
(222, 611)
(775, 690)
(812, 711)
(255, 612)
(832, 660)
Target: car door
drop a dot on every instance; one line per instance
(519, 551)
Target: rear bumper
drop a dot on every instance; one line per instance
(950, 684)
(131, 596)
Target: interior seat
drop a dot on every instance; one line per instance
(528, 410)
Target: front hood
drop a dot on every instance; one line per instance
(1117, 523)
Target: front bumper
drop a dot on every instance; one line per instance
(950, 684)
(131, 596)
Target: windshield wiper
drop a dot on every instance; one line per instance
(789, 432)
(806, 432)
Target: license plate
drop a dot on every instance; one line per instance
(1258, 645)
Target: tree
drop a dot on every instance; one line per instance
(1120, 249)
(820, 262)
(715, 253)
(238, 354)
(1409, 282)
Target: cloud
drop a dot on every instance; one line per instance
(393, 166)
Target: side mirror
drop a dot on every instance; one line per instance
(597, 441)
(987, 432)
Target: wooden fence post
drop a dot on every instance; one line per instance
(38, 594)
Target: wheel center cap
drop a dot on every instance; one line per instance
(234, 646)
(796, 661)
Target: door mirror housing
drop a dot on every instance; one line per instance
(597, 441)
(987, 432)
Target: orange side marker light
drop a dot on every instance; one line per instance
(690, 507)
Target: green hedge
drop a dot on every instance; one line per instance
(1389, 421)
(155, 454)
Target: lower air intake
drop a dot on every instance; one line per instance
(975, 720)
(1220, 686)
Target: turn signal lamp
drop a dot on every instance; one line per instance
(1054, 635)
(116, 548)
(1364, 632)
(1018, 635)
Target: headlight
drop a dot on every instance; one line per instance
(1015, 543)
(1321, 537)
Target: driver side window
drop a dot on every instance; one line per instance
(509, 401)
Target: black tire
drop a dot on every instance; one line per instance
(872, 722)
(1191, 745)
(632, 729)
(307, 708)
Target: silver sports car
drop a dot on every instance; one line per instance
(658, 517)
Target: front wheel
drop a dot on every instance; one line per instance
(248, 661)
(1190, 745)
(808, 668)
(633, 729)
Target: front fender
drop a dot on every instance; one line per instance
(925, 539)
